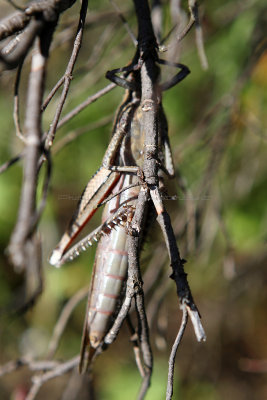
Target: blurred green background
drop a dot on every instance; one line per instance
(217, 125)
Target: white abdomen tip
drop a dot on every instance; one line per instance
(55, 258)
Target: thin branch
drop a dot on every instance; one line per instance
(87, 102)
(98, 49)
(144, 342)
(16, 116)
(43, 365)
(200, 47)
(24, 247)
(193, 20)
(11, 59)
(32, 21)
(157, 18)
(45, 188)
(13, 23)
(68, 75)
(17, 249)
(125, 307)
(39, 380)
(178, 339)
(125, 23)
(136, 346)
(193, 7)
(84, 104)
(63, 320)
(185, 30)
(154, 268)
(190, 213)
(33, 391)
(10, 162)
(73, 135)
(34, 278)
(154, 304)
(12, 366)
(180, 36)
(52, 93)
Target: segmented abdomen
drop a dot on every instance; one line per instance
(110, 269)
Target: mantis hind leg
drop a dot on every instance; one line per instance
(184, 71)
(134, 65)
(162, 121)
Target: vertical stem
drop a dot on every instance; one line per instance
(33, 138)
(68, 75)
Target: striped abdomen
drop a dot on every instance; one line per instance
(110, 269)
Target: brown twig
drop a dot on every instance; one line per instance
(136, 346)
(125, 23)
(16, 106)
(157, 18)
(73, 135)
(193, 20)
(32, 21)
(52, 93)
(84, 104)
(153, 307)
(17, 247)
(11, 59)
(194, 12)
(190, 214)
(175, 346)
(13, 23)
(14, 365)
(39, 380)
(10, 162)
(63, 320)
(68, 75)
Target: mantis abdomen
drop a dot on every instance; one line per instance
(110, 269)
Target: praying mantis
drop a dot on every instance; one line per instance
(117, 182)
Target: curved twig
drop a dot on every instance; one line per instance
(68, 75)
(169, 391)
(63, 320)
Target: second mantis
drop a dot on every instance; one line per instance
(120, 176)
